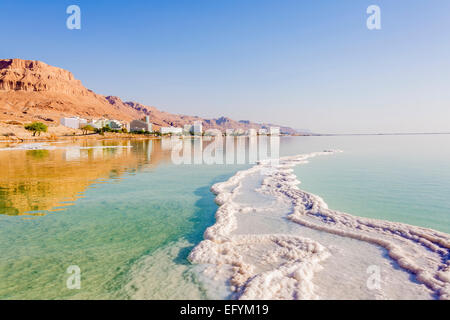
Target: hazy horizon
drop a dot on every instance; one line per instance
(311, 66)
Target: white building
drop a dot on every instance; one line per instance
(262, 131)
(198, 128)
(73, 122)
(251, 132)
(115, 124)
(238, 132)
(229, 132)
(82, 123)
(171, 130)
(195, 129)
(274, 131)
(97, 123)
(187, 128)
(141, 125)
(77, 123)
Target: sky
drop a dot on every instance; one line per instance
(306, 64)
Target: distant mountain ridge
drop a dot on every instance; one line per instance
(33, 90)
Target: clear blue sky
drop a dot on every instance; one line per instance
(306, 64)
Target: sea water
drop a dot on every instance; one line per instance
(128, 217)
(396, 178)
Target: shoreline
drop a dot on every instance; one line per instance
(69, 138)
(14, 133)
(417, 251)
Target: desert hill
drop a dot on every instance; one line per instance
(35, 91)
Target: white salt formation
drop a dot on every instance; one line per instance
(272, 240)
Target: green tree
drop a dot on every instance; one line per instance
(36, 127)
(107, 128)
(87, 128)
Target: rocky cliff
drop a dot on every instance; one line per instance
(33, 90)
(36, 76)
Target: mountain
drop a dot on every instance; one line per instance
(35, 91)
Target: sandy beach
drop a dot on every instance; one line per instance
(14, 132)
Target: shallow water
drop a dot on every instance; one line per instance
(103, 210)
(396, 178)
(280, 245)
(128, 217)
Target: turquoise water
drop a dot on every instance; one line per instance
(114, 223)
(397, 178)
(129, 217)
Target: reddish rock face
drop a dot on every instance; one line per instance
(33, 90)
(27, 75)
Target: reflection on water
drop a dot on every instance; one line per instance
(133, 237)
(36, 182)
(135, 201)
(38, 179)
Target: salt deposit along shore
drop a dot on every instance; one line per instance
(271, 240)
